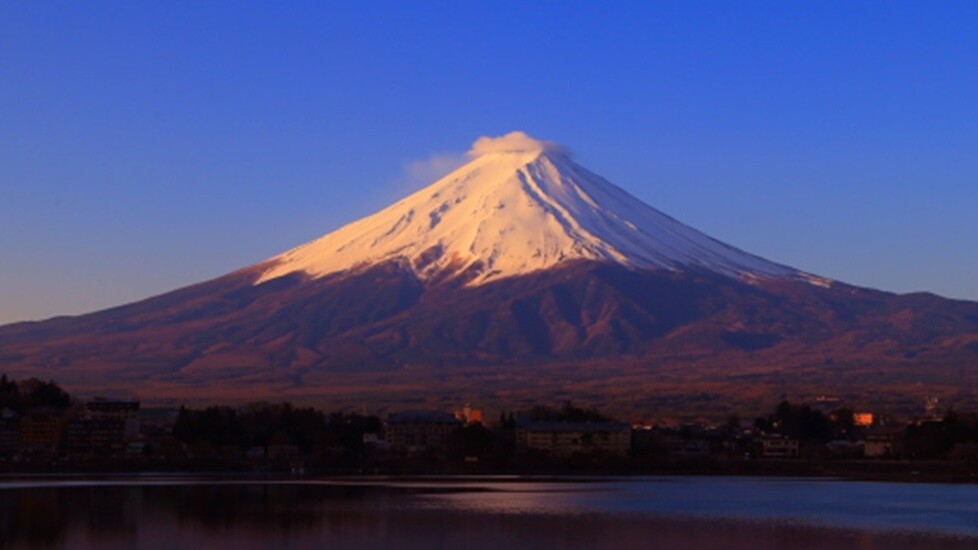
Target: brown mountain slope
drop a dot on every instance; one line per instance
(625, 339)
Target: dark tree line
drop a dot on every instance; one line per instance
(804, 423)
(263, 424)
(954, 436)
(32, 393)
(568, 412)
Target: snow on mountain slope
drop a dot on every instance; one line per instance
(520, 205)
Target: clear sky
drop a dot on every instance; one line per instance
(149, 145)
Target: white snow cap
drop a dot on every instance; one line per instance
(514, 142)
(518, 206)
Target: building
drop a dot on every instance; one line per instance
(691, 448)
(843, 448)
(96, 436)
(40, 432)
(469, 415)
(157, 422)
(878, 446)
(777, 446)
(932, 408)
(864, 419)
(126, 412)
(420, 431)
(9, 433)
(374, 441)
(883, 441)
(571, 438)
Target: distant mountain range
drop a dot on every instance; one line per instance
(520, 277)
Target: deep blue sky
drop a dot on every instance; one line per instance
(149, 145)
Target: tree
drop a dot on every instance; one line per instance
(10, 395)
(44, 394)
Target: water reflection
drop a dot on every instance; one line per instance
(498, 514)
(950, 509)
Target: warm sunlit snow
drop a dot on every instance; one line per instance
(520, 205)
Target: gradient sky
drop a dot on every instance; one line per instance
(148, 145)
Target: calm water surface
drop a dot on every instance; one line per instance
(497, 513)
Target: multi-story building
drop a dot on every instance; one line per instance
(420, 431)
(96, 436)
(9, 432)
(570, 438)
(101, 407)
(40, 432)
(103, 411)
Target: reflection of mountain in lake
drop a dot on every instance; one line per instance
(488, 515)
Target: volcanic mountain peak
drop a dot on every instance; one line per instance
(649, 311)
(519, 205)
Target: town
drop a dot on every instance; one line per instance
(43, 429)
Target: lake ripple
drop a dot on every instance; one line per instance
(666, 512)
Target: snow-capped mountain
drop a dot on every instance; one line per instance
(519, 278)
(520, 205)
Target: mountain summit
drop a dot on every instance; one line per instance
(519, 278)
(520, 205)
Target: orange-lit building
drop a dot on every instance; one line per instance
(863, 419)
(469, 415)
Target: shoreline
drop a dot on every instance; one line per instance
(903, 472)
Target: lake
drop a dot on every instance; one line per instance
(492, 513)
